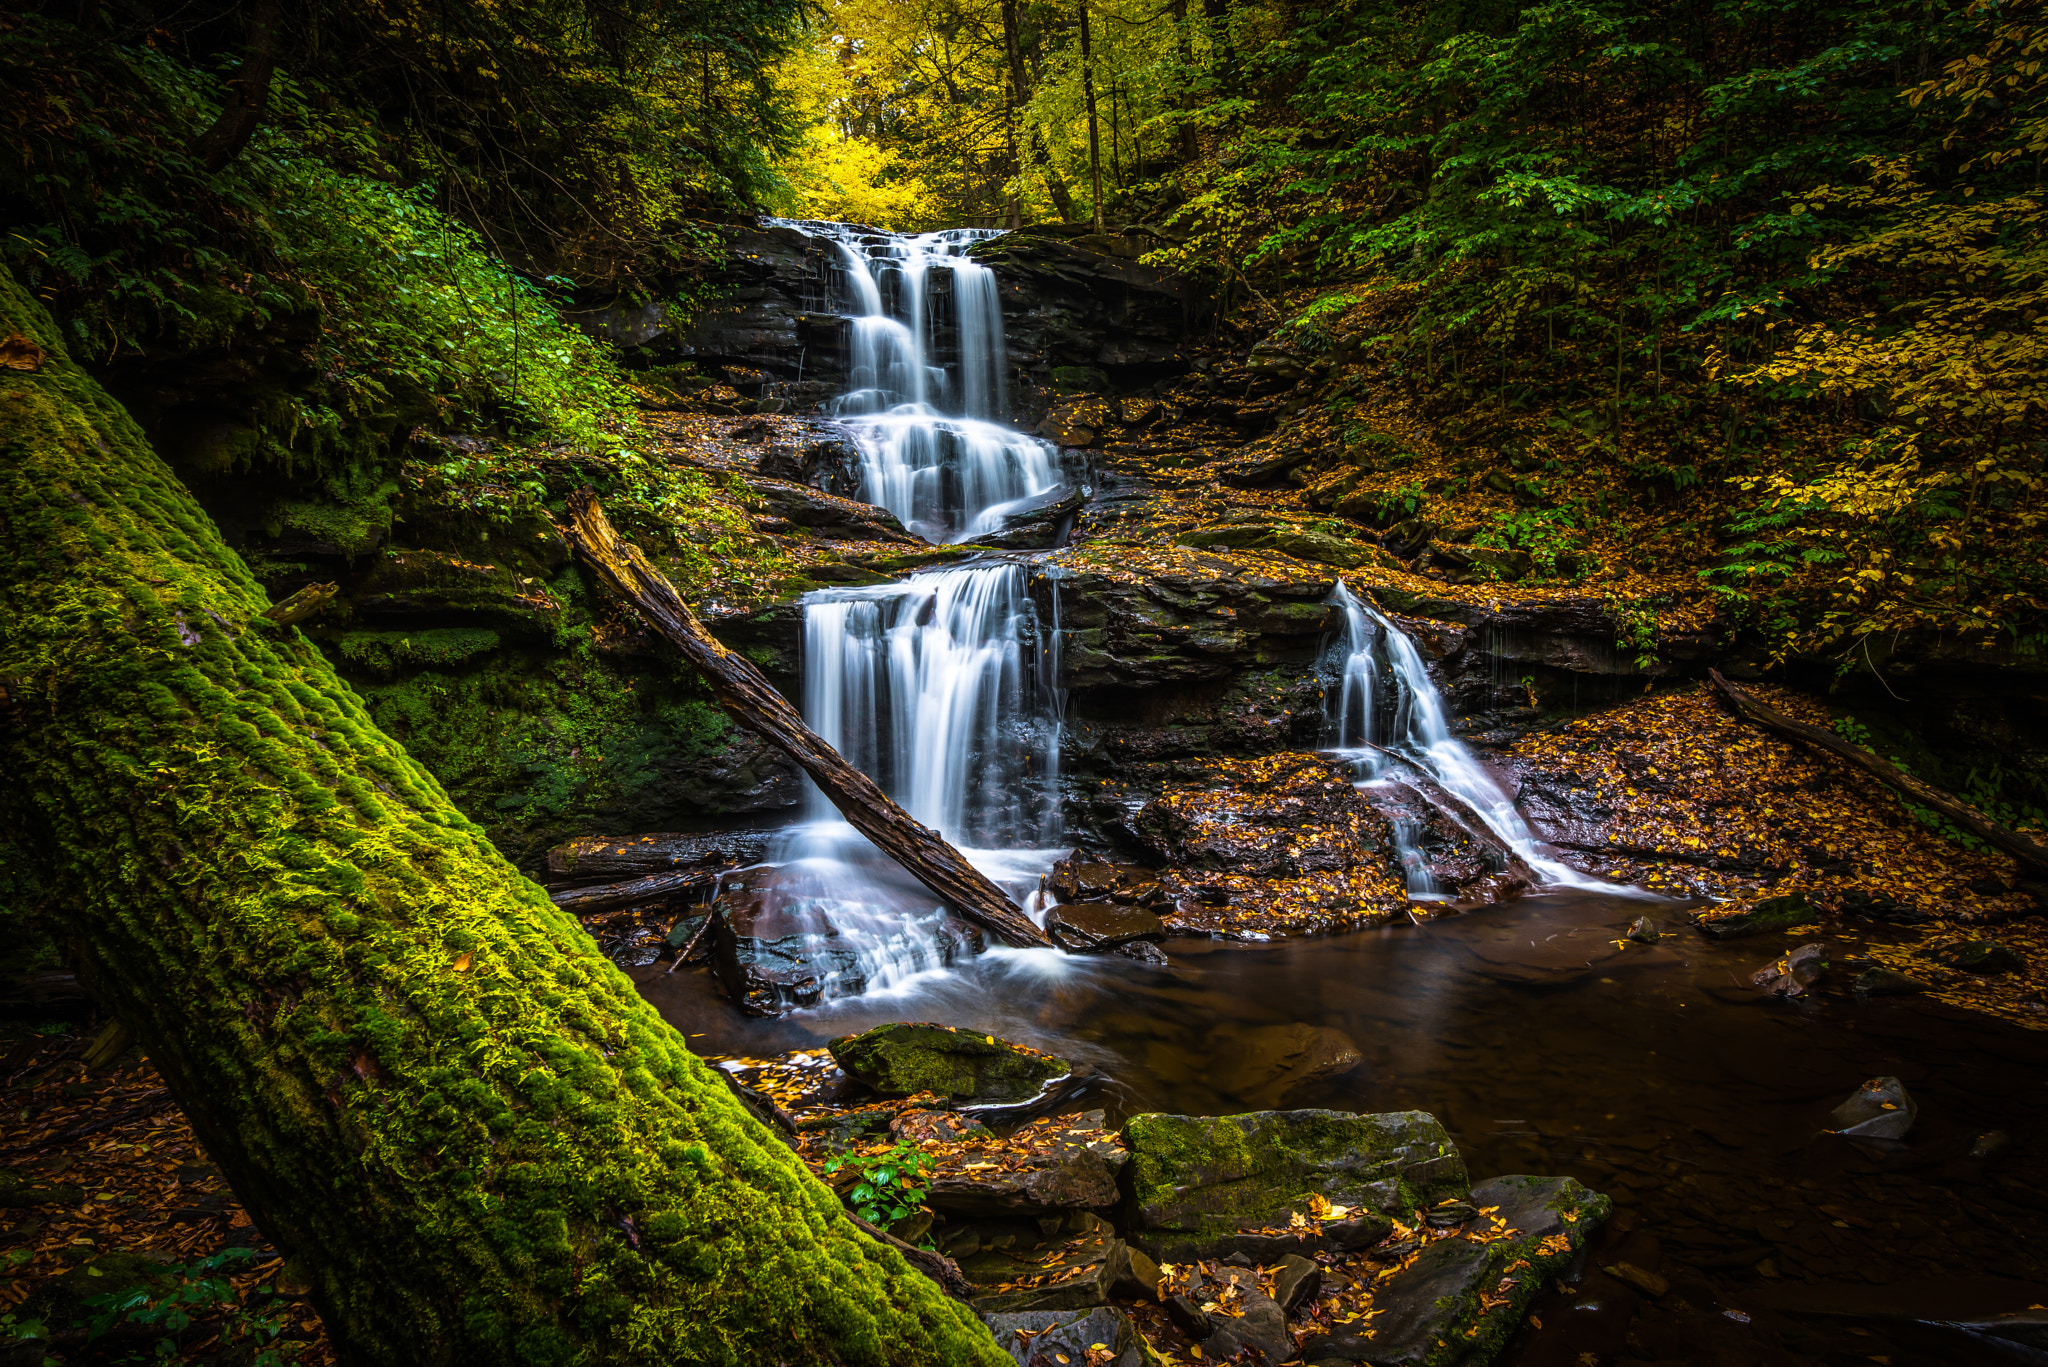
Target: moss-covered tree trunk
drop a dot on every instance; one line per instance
(420, 1076)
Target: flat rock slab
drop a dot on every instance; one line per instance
(1092, 927)
(907, 1057)
(1049, 1165)
(1013, 1266)
(1062, 1338)
(1209, 1186)
(1459, 1298)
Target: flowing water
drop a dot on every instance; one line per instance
(1386, 714)
(928, 393)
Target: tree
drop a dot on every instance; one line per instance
(421, 1078)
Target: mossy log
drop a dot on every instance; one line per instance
(752, 701)
(420, 1076)
(2007, 842)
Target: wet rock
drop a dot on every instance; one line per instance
(1264, 1067)
(1885, 982)
(608, 858)
(1063, 1338)
(1990, 1144)
(1880, 1109)
(1189, 1318)
(1337, 1348)
(1141, 1280)
(1093, 927)
(1316, 547)
(1036, 523)
(1641, 1278)
(1273, 817)
(1298, 1280)
(1774, 913)
(1876, 906)
(914, 1057)
(1144, 952)
(1981, 956)
(934, 1127)
(776, 951)
(1051, 1165)
(1209, 1186)
(1470, 1290)
(1015, 1266)
(1644, 931)
(1791, 975)
(1245, 1317)
(827, 515)
(1077, 879)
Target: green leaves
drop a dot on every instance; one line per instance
(892, 1183)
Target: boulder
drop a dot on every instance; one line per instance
(1488, 562)
(1791, 975)
(1880, 1109)
(1063, 1338)
(608, 858)
(1773, 913)
(1277, 816)
(1013, 1266)
(1209, 1186)
(1245, 1317)
(1297, 1280)
(1267, 1065)
(1093, 927)
(1461, 1296)
(1050, 1165)
(907, 1057)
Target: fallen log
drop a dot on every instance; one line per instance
(607, 896)
(2008, 842)
(752, 701)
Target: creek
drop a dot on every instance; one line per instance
(1543, 1040)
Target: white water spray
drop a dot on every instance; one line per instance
(1411, 724)
(933, 448)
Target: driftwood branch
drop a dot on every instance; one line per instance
(607, 896)
(2023, 850)
(753, 702)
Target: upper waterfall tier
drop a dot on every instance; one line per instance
(925, 398)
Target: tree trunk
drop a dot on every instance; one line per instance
(1055, 184)
(1094, 132)
(421, 1078)
(609, 896)
(1013, 51)
(753, 702)
(2024, 851)
(248, 93)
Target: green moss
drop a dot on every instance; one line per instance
(1774, 913)
(1193, 1180)
(209, 805)
(904, 1058)
(387, 653)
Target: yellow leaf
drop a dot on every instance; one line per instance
(462, 963)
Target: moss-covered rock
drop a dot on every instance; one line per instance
(1775, 913)
(1458, 1301)
(908, 1057)
(1210, 1186)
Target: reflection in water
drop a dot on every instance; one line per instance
(1655, 1074)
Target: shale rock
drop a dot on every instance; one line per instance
(1273, 817)
(1794, 973)
(909, 1057)
(1981, 956)
(1062, 1338)
(1259, 1323)
(1880, 1109)
(610, 858)
(1775, 913)
(1095, 927)
(1317, 547)
(1048, 1166)
(1015, 1266)
(777, 952)
(1470, 1290)
(1209, 1186)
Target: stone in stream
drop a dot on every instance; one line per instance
(1209, 1186)
(1255, 1321)
(1267, 1065)
(1062, 1338)
(1885, 982)
(1880, 1109)
(1297, 1280)
(1644, 931)
(1461, 1296)
(906, 1057)
(1791, 975)
(1095, 927)
(1774, 913)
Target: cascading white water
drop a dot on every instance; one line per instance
(933, 449)
(1411, 724)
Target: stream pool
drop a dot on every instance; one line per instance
(1656, 1074)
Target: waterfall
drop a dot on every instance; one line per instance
(1386, 698)
(933, 449)
(936, 687)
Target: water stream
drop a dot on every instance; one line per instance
(933, 448)
(1386, 713)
